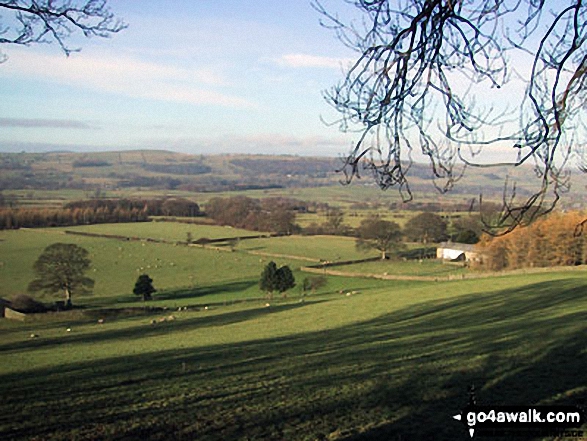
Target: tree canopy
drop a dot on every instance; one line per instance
(276, 279)
(466, 83)
(61, 267)
(379, 234)
(426, 227)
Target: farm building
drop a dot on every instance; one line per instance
(457, 252)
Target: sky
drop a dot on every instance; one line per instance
(205, 76)
(194, 76)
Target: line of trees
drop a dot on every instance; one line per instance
(14, 218)
(550, 241)
(97, 211)
(180, 207)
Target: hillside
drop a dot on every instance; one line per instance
(116, 173)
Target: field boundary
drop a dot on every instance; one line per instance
(120, 237)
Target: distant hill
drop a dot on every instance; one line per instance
(165, 170)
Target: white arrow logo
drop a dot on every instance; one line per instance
(459, 417)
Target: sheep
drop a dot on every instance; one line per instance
(34, 335)
(101, 321)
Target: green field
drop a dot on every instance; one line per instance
(360, 359)
(330, 248)
(391, 362)
(117, 264)
(424, 268)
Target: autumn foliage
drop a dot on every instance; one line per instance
(551, 241)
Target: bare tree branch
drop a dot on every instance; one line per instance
(45, 21)
(418, 82)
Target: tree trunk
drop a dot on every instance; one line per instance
(383, 255)
(68, 303)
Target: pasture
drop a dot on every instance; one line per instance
(392, 361)
(359, 359)
(417, 268)
(117, 264)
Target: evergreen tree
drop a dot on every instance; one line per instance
(268, 278)
(144, 287)
(284, 279)
(276, 279)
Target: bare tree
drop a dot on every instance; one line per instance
(46, 21)
(423, 76)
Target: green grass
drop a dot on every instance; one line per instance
(117, 264)
(424, 268)
(331, 248)
(392, 362)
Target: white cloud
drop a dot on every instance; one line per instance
(126, 76)
(311, 61)
(44, 123)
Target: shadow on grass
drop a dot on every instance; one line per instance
(197, 292)
(400, 376)
(148, 329)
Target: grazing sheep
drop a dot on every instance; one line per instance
(68, 329)
(171, 318)
(34, 336)
(101, 321)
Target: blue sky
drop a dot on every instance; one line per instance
(191, 76)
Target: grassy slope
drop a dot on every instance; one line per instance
(393, 362)
(117, 264)
(426, 268)
(330, 248)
